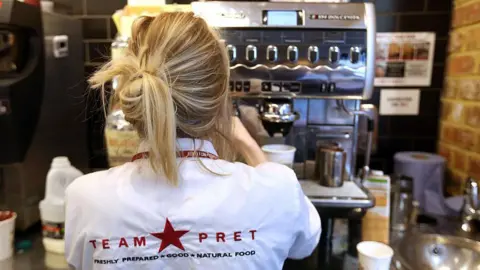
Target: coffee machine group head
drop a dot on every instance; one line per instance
(277, 116)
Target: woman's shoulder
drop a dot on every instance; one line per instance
(273, 175)
(95, 181)
(272, 187)
(275, 172)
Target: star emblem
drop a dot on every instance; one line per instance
(170, 237)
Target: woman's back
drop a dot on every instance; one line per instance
(178, 206)
(128, 218)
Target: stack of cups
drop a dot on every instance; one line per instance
(374, 255)
(7, 229)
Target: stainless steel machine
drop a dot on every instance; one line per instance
(305, 68)
(42, 108)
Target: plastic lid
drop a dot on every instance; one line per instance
(60, 162)
(376, 173)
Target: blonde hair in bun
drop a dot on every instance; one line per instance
(173, 77)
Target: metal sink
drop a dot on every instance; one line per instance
(438, 252)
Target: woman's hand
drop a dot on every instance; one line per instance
(246, 145)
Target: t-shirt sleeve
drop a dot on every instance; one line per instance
(305, 220)
(74, 236)
(307, 227)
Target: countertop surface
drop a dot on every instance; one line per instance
(35, 258)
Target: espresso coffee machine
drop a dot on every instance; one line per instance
(42, 109)
(306, 67)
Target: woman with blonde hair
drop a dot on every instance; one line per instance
(182, 203)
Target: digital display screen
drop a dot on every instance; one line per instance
(282, 18)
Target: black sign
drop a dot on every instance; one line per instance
(338, 17)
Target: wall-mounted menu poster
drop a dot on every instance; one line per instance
(404, 59)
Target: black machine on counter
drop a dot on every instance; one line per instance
(42, 109)
(317, 59)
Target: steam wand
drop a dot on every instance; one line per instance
(365, 171)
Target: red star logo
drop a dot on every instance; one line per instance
(170, 237)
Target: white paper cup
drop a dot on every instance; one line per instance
(7, 229)
(280, 153)
(374, 255)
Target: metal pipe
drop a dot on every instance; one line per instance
(365, 171)
(472, 204)
(341, 105)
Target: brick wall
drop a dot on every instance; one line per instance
(460, 116)
(392, 16)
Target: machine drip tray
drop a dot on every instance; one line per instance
(350, 195)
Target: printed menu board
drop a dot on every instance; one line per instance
(404, 59)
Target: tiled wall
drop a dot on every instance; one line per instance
(460, 119)
(418, 133)
(396, 133)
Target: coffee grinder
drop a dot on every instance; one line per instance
(41, 103)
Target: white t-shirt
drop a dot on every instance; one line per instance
(129, 218)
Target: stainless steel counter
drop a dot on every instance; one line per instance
(350, 195)
(35, 258)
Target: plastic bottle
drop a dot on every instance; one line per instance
(52, 207)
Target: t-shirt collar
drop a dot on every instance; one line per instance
(186, 144)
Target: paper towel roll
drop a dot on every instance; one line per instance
(427, 171)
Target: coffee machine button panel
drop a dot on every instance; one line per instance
(293, 87)
(310, 58)
(331, 87)
(333, 54)
(292, 53)
(232, 53)
(251, 53)
(313, 54)
(272, 53)
(323, 87)
(354, 55)
(238, 86)
(246, 86)
(266, 87)
(276, 86)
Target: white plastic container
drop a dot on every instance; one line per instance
(55, 261)
(52, 207)
(7, 229)
(280, 153)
